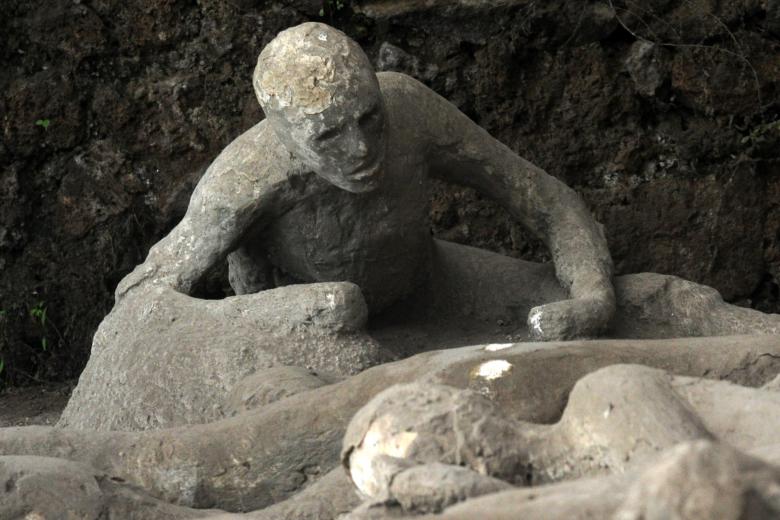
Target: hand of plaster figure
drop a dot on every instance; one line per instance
(568, 319)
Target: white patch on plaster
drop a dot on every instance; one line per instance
(536, 321)
(494, 369)
(376, 442)
(495, 347)
(331, 300)
(322, 37)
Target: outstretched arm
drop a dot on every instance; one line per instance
(462, 152)
(236, 190)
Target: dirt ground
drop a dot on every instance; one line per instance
(31, 405)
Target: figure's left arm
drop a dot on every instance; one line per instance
(460, 151)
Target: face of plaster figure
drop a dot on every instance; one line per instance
(345, 144)
(322, 99)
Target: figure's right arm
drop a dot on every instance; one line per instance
(238, 190)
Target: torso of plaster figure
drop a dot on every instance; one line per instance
(379, 240)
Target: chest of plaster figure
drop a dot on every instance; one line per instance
(379, 240)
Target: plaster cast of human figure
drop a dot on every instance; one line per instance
(269, 454)
(332, 187)
(423, 447)
(411, 433)
(700, 479)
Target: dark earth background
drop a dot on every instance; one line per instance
(664, 115)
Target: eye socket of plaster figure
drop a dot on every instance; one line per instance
(327, 135)
(370, 116)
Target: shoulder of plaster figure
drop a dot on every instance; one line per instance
(405, 102)
(397, 83)
(254, 160)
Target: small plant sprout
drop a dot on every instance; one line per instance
(2, 365)
(43, 123)
(38, 313)
(762, 133)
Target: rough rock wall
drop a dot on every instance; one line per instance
(663, 114)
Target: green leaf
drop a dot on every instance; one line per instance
(38, 313)
(2, 365)
(322, 12)
(44, 343)
(44, 123)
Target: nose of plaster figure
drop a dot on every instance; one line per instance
(322, 99)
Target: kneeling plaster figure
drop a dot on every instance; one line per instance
(321, 211)
(331, 187)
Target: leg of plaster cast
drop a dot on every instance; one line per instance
(42, 487)
(326, 499)
(704, 480)
(621, 414)
(150, 341)
(430, 488)
(248, 271)
(474, 283)
(698, 479)
(581, 499)
(614, 417)
(721, 405)
(468, 282)
(662, 306)
(268, 385)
